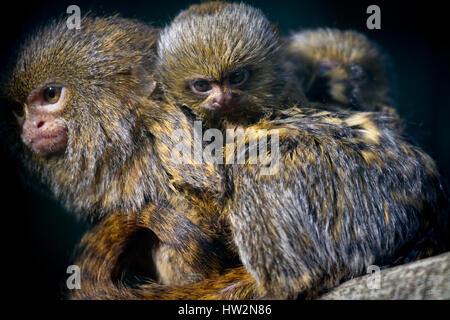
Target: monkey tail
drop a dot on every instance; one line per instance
(102, 257)
(234, 284)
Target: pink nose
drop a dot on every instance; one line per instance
(223, 98)
(39, 124)
(225, 101)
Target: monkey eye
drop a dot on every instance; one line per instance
(201, 86)
(238, 77)
(52, 94)
(17, 108)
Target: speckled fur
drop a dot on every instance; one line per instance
(118, 166)
(350, 192)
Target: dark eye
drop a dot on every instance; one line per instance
(238, 77)
(52, 94)
(17, 108)
(201, 86)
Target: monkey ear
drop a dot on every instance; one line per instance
(145, 79)
(275, 27)
(149, 87)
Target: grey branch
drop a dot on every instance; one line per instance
(424, 279)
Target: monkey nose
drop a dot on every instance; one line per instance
(39, 124)
(225, 102)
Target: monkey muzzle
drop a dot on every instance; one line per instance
(224, 102)
(45, 135)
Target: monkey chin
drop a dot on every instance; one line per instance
(47, 142)
(225, 109)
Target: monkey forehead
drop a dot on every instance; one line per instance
(346, 46)
(104, 46)
(202, 9)
(213, 42)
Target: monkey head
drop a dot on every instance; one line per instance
(221, 61)
(43, 129)
(337, 66)
(74, 97)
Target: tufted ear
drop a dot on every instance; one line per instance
(145, 79)
(149, 88)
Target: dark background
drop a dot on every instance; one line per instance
(39, 235)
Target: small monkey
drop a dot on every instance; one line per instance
(64, 78)
(83, 121)
(339, 69)
(221, 60)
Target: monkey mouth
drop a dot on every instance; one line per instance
(224, 108)
(48, 144)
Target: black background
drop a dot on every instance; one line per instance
(39, 235)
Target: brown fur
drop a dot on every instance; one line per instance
(213, 38)
(210, 41)
(117, 164)
(182, 204)
(339, 69)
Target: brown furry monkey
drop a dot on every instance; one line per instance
(221, 60)
(339, 69)
(81, 121)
